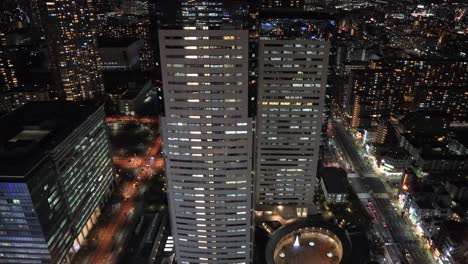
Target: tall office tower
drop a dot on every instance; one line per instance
(55, 172)
(202, 14)
(207, 143)
(71, 38)
(293, 55)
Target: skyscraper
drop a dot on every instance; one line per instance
(207, 143)
(293, 61)
(55, 172)
(71, 38)
(202, 14)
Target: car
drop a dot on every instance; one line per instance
(135, 185)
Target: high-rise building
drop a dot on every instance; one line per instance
(293, 62)
(403, 85)
(207, 143)
(71, 38)
(451, 100)
(24, 74)
(374, 97)
(202, 14)
(8, 76)
(55, 172)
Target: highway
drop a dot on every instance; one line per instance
(396, 235)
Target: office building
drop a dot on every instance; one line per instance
(55, 172)
(120, 55)
(207, 137)
(202, 14)
(333, 184)
(293, 62)
(133, 101)
(71, 39)
(129, 27)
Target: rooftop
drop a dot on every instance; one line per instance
(29, 133)
(135, 89)
(308, 241)
(333, 180)
(117, 43)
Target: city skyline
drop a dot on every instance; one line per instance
(233, 131)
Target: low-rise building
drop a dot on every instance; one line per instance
(333, 185)
(120, 55)
(132, 101)
(393, 162)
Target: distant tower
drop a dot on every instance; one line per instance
(284, 3)
(293, 62)
(71, 38)
(8, 76)
(202, 14)
(207, 143)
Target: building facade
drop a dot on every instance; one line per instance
(207, 137)
(55, 172)
(291, 96)
(71, 39)
(400, 86)
(202, 14)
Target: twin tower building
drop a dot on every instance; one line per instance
(224, 166)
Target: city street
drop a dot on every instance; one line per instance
(396, 235)
(108, 237)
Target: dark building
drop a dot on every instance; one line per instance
(55, 172)
(24, 73)
(426, 136)
(120, 55)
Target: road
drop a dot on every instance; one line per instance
(141, 120)
(145, 168)
(392, 229)
(150, 158)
